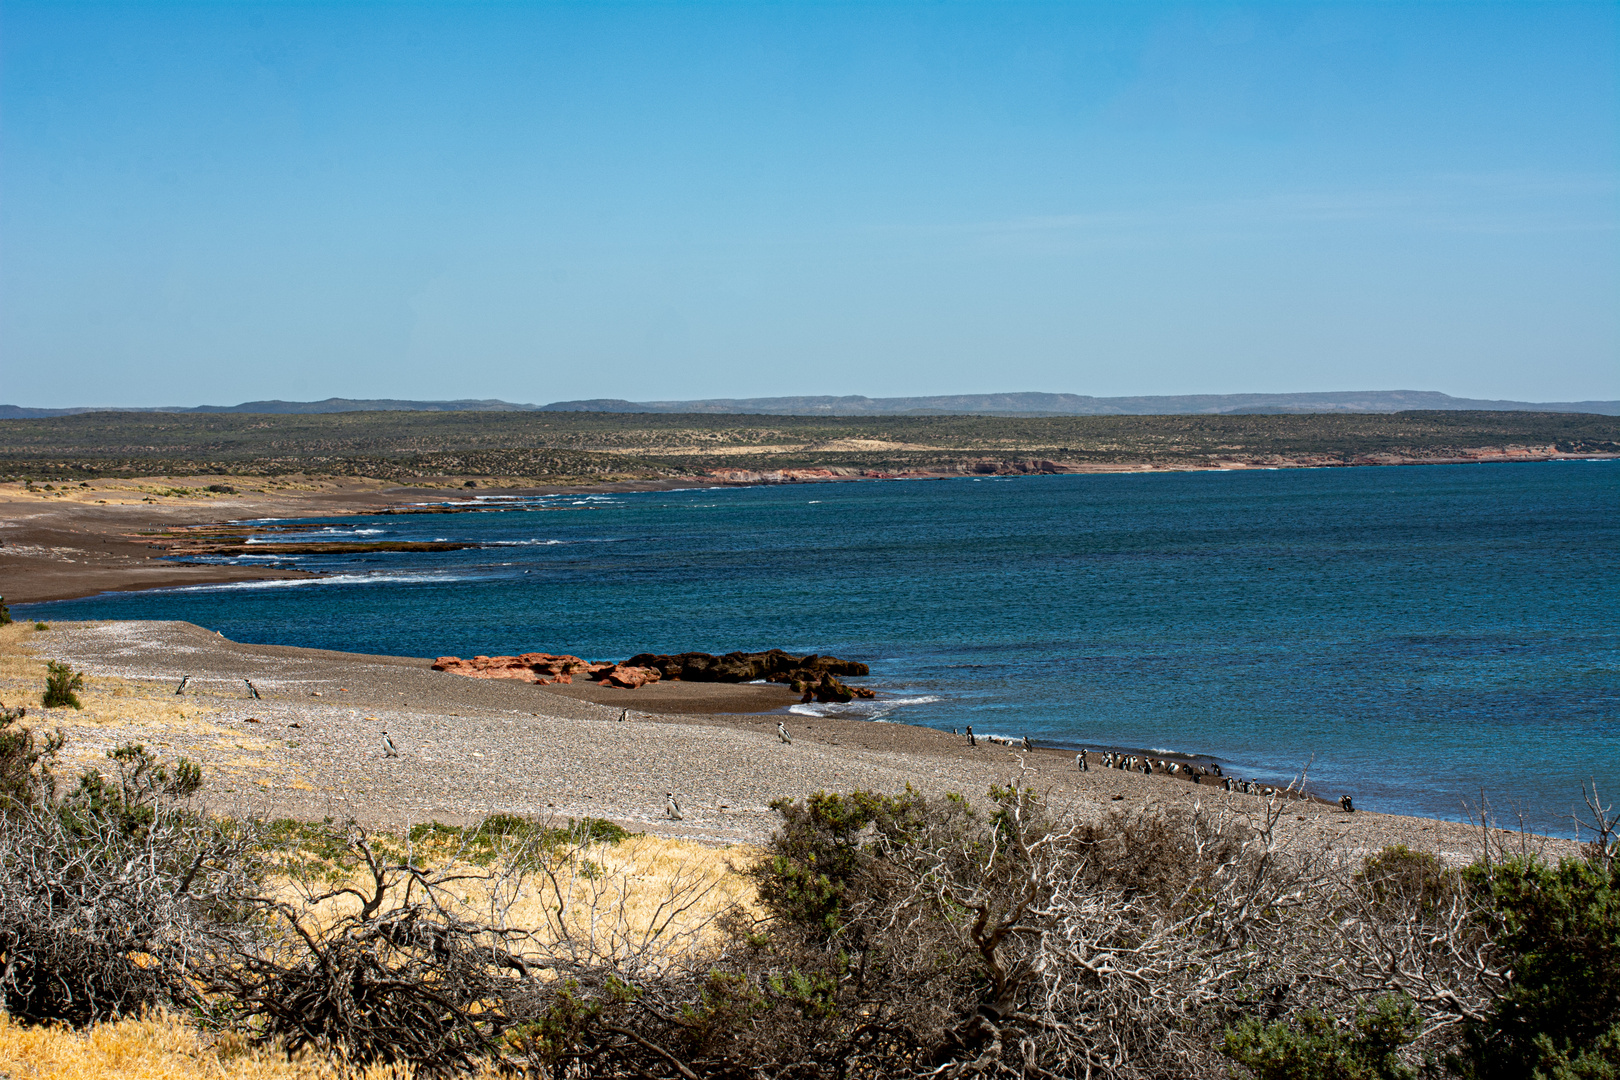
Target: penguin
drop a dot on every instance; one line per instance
(389, 749)
(671, 807)
(182, 687)
(782, 733)
(254, 690)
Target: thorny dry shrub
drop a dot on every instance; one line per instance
(910, 936)
(111, 895)
(441, 955)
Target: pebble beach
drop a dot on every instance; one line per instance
(310, 746)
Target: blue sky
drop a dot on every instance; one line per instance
(216, 202)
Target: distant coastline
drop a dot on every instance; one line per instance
(101, 536)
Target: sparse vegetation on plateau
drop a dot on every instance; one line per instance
(549, 447)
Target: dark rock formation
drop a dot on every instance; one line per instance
(737, 667)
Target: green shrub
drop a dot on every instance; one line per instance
(1312, 1046)
(5, 612)
(60, 683)
(1400, 879)
(26, 761)
(1559, 928)
(41, 626)
(130, 800)
(482, 842)
(821, 849)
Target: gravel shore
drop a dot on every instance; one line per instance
(311, 747)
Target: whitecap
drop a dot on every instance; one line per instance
(327, 579)
(860, 708)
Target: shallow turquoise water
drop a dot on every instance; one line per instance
(1425, 632)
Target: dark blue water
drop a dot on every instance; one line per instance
(1424, 632)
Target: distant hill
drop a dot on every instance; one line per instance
(1355, 401)
(1031, 404)
(330, 405)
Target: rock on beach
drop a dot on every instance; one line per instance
(819, 676)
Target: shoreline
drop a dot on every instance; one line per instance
(113, 535)
(470, 747)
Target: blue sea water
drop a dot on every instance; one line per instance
(1422, 635)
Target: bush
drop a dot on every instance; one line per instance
(824, 845)
(1398, 879)
(504, 833)
(61, 682)
(5, 612)
(404, 976)
(1315, 1047)
(111, 899)
(1558, 1017)
(26, 759)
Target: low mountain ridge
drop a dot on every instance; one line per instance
(1022, 404)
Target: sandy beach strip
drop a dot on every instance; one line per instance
(115, 535)
(311, 746)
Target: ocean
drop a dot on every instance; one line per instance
(1422, 637)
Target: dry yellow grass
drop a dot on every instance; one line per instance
(23, 653)
(142, 711)
(159, 1047)
(623, 901)
(646, 894)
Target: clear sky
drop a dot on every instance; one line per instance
(215, 202)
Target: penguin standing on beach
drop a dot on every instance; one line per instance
(389, 749)
(623, 714)
(254, 690)
(1080, 762)
(184, 679)
(781, 733)
(671, 807)
(971, 740)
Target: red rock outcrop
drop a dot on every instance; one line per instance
(629, 676)
(539, 668)
(815, 675)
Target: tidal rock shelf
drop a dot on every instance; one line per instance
(818, 678)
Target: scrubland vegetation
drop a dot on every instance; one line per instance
(594, 446)
(877, 935)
